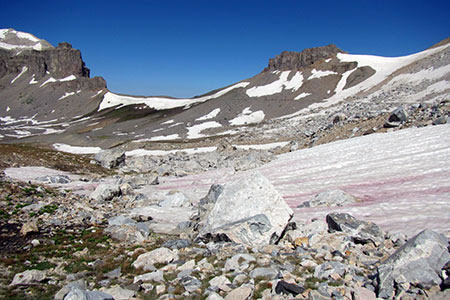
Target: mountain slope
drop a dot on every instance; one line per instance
(49, 92)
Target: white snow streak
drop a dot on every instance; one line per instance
(158, 103)
(76, 149)
(277, 86)
(320, 73)
(194, 132)
(24, 69)
(248, 117)
(302, 95)
(211, 115)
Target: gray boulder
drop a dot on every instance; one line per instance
(77, 293)
(418, 262)
(28, 277)
(176, 199)
(105, 192)
(396, 118)
(249, 211)
(361, 232)
(56, 179)
(110, 158)
(330, 198)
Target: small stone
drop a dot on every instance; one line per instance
(361, 293)
(161, 288)
(29, 227)
(35, 243)
(241, 293)
(28, 277)
(119, 293)
(187, 265)
(160, 255)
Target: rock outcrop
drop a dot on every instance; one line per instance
(288, 60)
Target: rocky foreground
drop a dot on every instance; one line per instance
(238, 242)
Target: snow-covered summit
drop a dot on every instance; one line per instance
(11, 39)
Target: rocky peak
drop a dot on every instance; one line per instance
(64, 45)
(289, 60)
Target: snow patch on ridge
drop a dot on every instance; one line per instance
(211, 115)
(76, 149)
(248, 117)
(160, 103)
(302, 95)
(320, 73)
(277, 86)
(194, 132)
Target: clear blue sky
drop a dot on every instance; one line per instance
(187, 48)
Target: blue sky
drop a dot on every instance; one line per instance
(187, 48)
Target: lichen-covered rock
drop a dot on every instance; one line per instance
(418, 262)
(28, 277)
(105, 192)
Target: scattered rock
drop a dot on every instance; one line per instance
(77, 293)
(286, 288)
(105, 192)
(330, 198)
(176, 199)
(241, 293)
(119, 293)
(29, 227)
(59, 179)
(110, 158)
(361, 231)
(161, 255)
(28, 277)
(418, 262)
(396, 118)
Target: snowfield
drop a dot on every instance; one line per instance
(401, 178)
(160, 103)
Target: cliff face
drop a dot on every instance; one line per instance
(288, 60)
(60, 62)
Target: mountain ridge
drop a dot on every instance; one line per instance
(55, 93)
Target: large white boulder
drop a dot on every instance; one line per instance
(249, 211)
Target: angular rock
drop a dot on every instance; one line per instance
(221, 282)
(266, 273)
(214, 296)
(396, 118)
(157, 276)
(28, 277)
(81, 284)
(241, 293)
(191, 284)
(176, 199)
(249, 211)
(239, 262)
(361, 293)
(329, 198)
(286, 288)
(59, 179)
(119, 293)
(110, 158)
(418, 262)
(327, 269)
(177, 244)
(80, 294)
(160, 255)
(361, 231)
(105, 192)
(29, 227)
